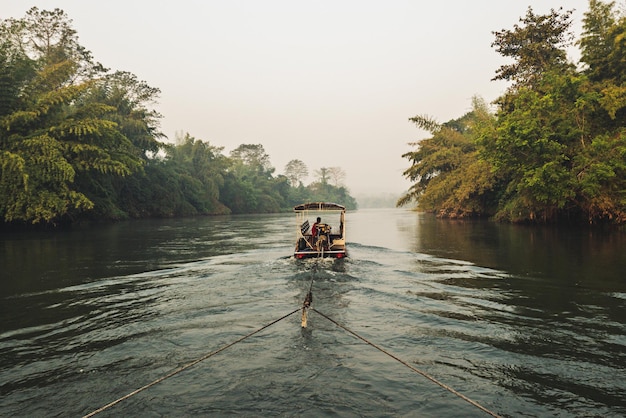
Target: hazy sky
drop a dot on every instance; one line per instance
(331, 83)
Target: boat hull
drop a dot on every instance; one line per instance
(320, 254)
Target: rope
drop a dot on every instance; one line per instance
(306, 306)
(185, 367)
(426, 375)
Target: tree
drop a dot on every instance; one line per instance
(598, 42)
(296, 171)
(135, 118)
(450, 177)
(322, 175)
(536, 46)
(535, 134)
(128, 100)
(254, 158)
(556, 148)
(80, 142)
(53, 128)
(603, 52)
(203, 167)
(249, 184)
(337, 175)
(600, 166)
(533, 148)
(550, 149)
(601, 179)
(48, 37)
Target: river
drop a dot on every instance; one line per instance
(524, 321)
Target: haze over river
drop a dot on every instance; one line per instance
(526, 321)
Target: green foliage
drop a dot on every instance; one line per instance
(555, 149)
(50, 123)
(603, 45)
(450, 177)
(200, 167)
(296, 171)
(536, 46)
(78, 142)
(601, 179)
(249, 186)
(130, 99)
(532, 148)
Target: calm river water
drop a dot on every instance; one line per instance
(525, 321)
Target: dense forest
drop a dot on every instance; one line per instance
(79, 142)
(554, 148)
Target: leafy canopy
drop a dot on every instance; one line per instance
(555, 150)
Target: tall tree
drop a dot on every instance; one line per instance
(532, 149)
(559, 145)
(133, 100)
(595, 43)
(603, 51)
(535, 136)
(450, 177)
(539, 44)
(52, 130)
(337, 176)
(600, 166)
(254, 158)
(296, 171)
(322, 175)
(249, 184)
(598, 41)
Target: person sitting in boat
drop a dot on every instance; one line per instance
(319, 234)
(314, 229)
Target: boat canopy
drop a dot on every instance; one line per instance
(322, 239)
(318, 206)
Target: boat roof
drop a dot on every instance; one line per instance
(319, 206)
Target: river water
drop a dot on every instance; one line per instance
(525, 321)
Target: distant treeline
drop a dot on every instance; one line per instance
(79, 142)
(554, 150)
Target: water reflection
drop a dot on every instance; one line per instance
(568, 254)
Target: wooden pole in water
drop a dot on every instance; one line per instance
(303, 317)
(306, 305)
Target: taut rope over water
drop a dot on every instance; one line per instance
(416, 370)
(185, 367)
(305, 306)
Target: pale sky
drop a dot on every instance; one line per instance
(331, 83)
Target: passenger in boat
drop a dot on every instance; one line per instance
(314, 229)
(320, 235)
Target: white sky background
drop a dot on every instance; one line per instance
(331, 83)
